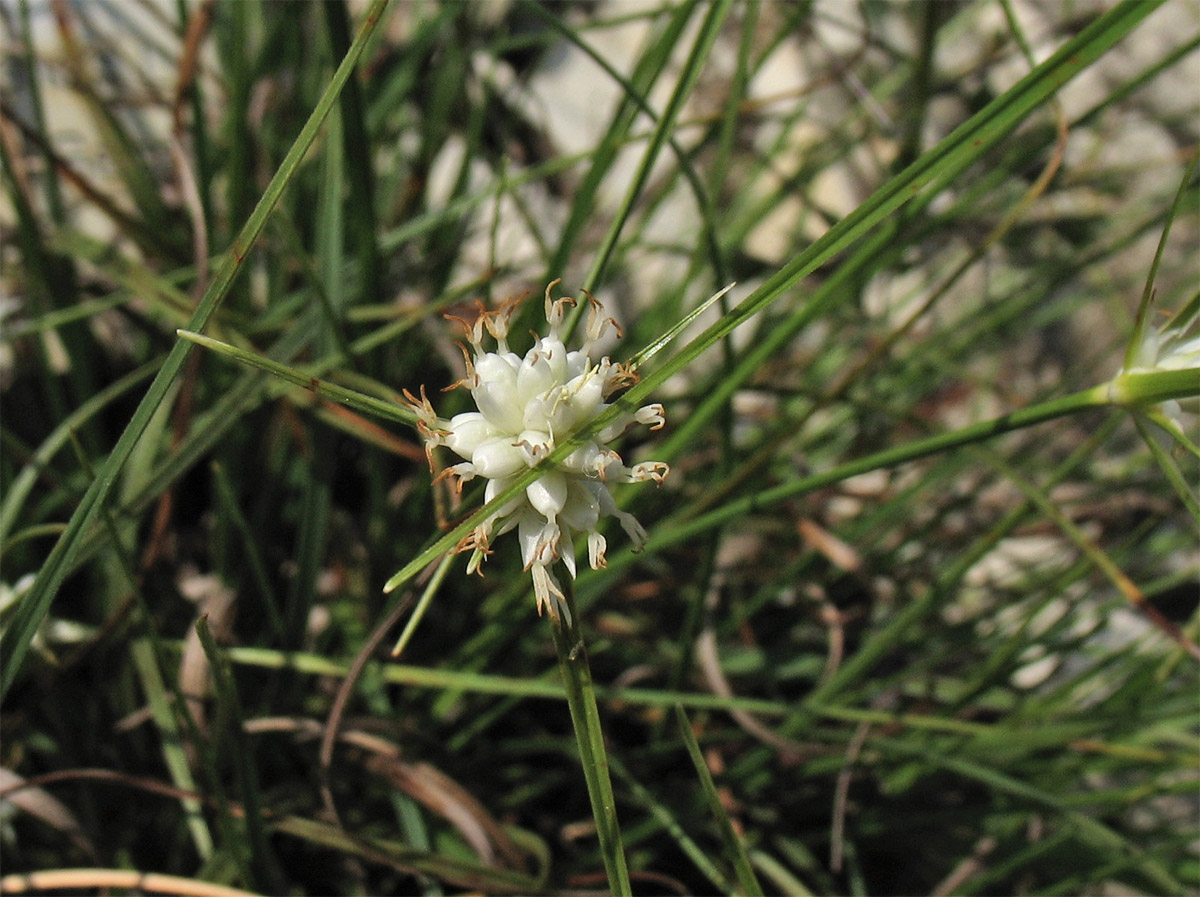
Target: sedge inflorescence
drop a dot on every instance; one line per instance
(526, 407)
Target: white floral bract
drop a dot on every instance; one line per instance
(525, 406)
(1170, 350)
(1174, 348)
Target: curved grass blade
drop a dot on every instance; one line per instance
(585, 717)
(965, 145)
(1140, 322)
(733, 844)
(323, 388)
(33, 609)
(18, 491)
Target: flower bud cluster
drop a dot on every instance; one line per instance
(526, 406)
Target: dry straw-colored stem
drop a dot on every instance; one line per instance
(56, 879)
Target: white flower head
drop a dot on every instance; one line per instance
(526, 407)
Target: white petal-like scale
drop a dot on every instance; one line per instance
(590, 459)
(582, 509)
(548, 494)
(497, 457)
(494, 488)
(554, 353)
(533, 379)
(535, 445)
(586, 399)
(529, 532)
(566, 545)
(577, 363)
(537, 411)
(596, 547)
(466, 432)
(493, 367)
(495, 400)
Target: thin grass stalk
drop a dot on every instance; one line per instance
(350, 398)
(36, 603)
(663, 815)
(965, 145)
(585, 717)
(423, 605)
(738, 857)
(159, 700)
(683, 88)
(258, 857)
(1126, 389)
(1170, 469)
(1139, 326)
(645, 74)
(359, 173)
(19, 489)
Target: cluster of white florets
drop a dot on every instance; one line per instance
(526, 406)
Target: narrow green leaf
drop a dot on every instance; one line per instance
(966, 144)
(323, 388)
(230, 722)
(593, 755)
(174, 756)
(1143, 312)
(31, 611)
(734, 847)
(1170, 468)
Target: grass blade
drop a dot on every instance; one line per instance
(33, 608)
(734, 848)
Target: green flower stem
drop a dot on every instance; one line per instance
(585, 716)
(1140, 388)
(1129, 389)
